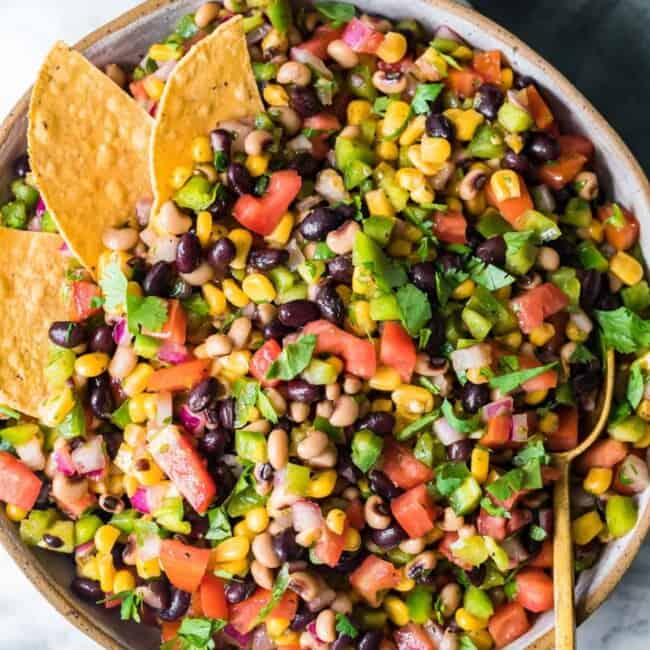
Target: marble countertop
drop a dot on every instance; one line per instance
(29, 27)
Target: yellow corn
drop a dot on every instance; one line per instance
(387, 150)
(204, 227)
(215, 298)
(241, 529)
(644, 441)
(335, 520)
(397, 610)
(234, 295)
(88, 568)
(243, 240)
(412, 400)
(392, 48)
(235, 364)
(549, 423)
(257, 519)
(412, 233)
(106, 571)
(405, 584)
(480, 464)
(275, 626)
(410, 178)
(414, 154)
(462, 53)
(381, 406)
(358, 110)
(505, 185)
(322, 484)
(137, 409)
(53, 410)
(153, 87)
(234, 548)
(399, 248)
(201, 149)
(598, 480)
(595, 230)
(643, 410)
(481, 638)
(507, 77)
(136, 382)
(288, 639)
(575, 334)
(466, 122)
(503, 293)
(351, 540)
(275, 95)
(15, 513)
(464, 290)
(151, 476)
(378, 204)
(123, 581)
(362, 281)
(586, 527)
(360, 320)
(468, 622)
(258, 288)
(478, 375)
(148, 568)
(515, 142)
(413, 132)
(542, 334)
(435, 150)
(258, 164)
(282, 232)
(535, 397)
(180, 176)
(91, 364)
(275, 41)
(422, 194)
(626, 268)
(163, 52)
(105, 538)
(396, 115)
(385, 378)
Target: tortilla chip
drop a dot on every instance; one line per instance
(32, 272)
(212, 83)
(88, 146)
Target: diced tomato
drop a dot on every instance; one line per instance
(450, 227)
(325, 124)
(175, 329)
(538, 108)
(498, 431)
(402, 467)
(213, 597)
(329, 547)
(463, 82)
(358, 354)
(534, 590)
(519, 517)
(488, 65)
(137, 90)
(397, 350)
(566, 436)
(372, 576)
(413, 637)
(355, 515)
(487, 524)
(169, 631)
(361, 36)
(545, 381)
(535, 305)
(19, 486)
(511, 209)
(183, 564)
(508, 623)
(444, 547)
(80, 305)
(414, 511)
(323, 36)
(179, 377)
(604, 453)
(620, 238)
(571, 144)
(558, 173)
(196, 609)
(243, 615)
(176, 456)
(263, 214)
(544, 559)
(74, 508)
(262, 360)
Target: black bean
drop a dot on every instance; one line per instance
(440, 126)
(349, 561)
(583, 383)
(474, 238)
(180, 289)
(517, 162)
(179, 603)
(138, 265)
(608, 301)
(221, 253)
(492, 251)
(319, 222)
(158, 280)
(488, 100)
(43, 498)
(543, 147)
(299, 390)
(590, 289)
(102, 340)
(240, 179)
(304, 101)
(303, 617)
(203, 394)
(389, 537)
(52, 541)
(275, 330)
(343, 642)
(379, 422)
(214, 442)
(221, 206)
(475, 396)
(21, 166)
(156, 594)
(371, 640)
(423, 275)
(240, 590)
(285, 546)
(227, 413)
(297, 313)
(224, 478)
(346, 469)
(67, 334)
(102, 403)
(330, 303)
(265, 259)
(460, 450)
(88, 590)
(380, 484)
(437, 328)
(522, 81)
(188, 253)
(449, 261)
(305, 164)
(340, 269)
(477, 575)
(113, 438)
(221, 140)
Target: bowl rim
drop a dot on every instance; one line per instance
(59, 597)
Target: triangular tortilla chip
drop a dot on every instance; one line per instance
(88, 146)
(32, 273)
(212, 83)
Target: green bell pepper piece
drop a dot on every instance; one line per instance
(311, 270)
(514, 119)
(621, 514)
(429, 450)
(320, 373)
(591, 258)
(282, 278)
(170, 516)
(85, 528)
(577, 213)
(297, 479)
(360, 83)
(60, 366)
(379, 228)
(264, 71)
(146, 346)
(252, 21)
(348, 150)
(384, 307)
(47, 223)
(637, 297)
(630, 429)
(251, 445)
(478, 603)
(544, 227)
(397, 195)
(472, 550)
(476, 323)
(491, 224)
(14, 215)
(297, 292)
(487, 143)
(197, 194)
(25, 193)
(74, 424)
(366, 449)
(465, 498)
(125, 520)
(355, 173)
(521, 253)
(19, 434)
(420, 604)
(36, 524)
(62, 530)
(279, 13)
(493, 577)
(565, 278)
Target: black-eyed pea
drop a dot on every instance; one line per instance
(389, 84)
(257, 141)
(451, 522)
(326, 626)
(120, 239)
(342, 604)
(450, 597)
(278, 448)
(413, 546)
(298, 411)
(123, 362)
(324, 409)
(277, 401)
(240, 331)
(352, 385)
(262, 575)
(263, 552)
(172, 220)
(200, 276)
(259, 426)
(470, 186)
(218, 345)
(294, 72)
(346, 411)
(115, 73)
(288, 118)
(332, 392)
(326, 460)
(341, 240)
(304, 584)
(343, 54)
(206, 13)
(421, 564)
(587, 184)
(266, 312)
(376, 513)
(314, 444)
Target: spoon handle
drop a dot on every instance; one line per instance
(565, 619)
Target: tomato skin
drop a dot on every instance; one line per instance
(487, 524)
(262, 360)
(412, 637)
(372, 576)
(534, 590)
(508, 623)
(570, 144)
(397, 350)
(562, 171)
(169, 631)
(414, 511)
(213, 597)
(263, 214)
(355, 515)
(604, 453)
(179, 377)
(539, 108)
(81, 296)
(402, 467)
(450, 227)
(176, 456)
(566, 436)
(511, 209)
(244, 613)
(488, 65)
(464, 82)
(535, 305)
(330, 547)
(620, 238)
(498, 431)
(544, 559)
(184, 565)
(323, 36)
(175, 329)
(545, 381)
(19, 486)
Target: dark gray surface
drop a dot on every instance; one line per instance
(602, 46)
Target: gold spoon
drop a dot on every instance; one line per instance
(563, 587)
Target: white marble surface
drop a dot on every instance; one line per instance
(27, 621)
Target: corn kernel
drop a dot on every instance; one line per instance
(480, 464)
(180, 176)
(215, 298)
(54, 409)
(397, 113)
(481, 639)
(137, 409)
(257, 519)
(241, 529)
(386, 379)
(468, 622)
(414, 154)
(505, 185)
(412, 400)
(413, 132)
(397, 610)
(15, 513)
(643, 410)
(243, 240)
(136, 382)
(164, 52)
(586, 527)
(410, 178)
(258, 288)
(335, 520)
(275, 95)
(387, 150)
(507, 78)
(275, 626)
(392, 48)
(123, 581)
(464, 290)
(148, 568)
(535, 397)
(405, 584)
(422, 194)
(598, 480)
(358, 111)
(412, 233)
(644, 442)
(478, 375)
(275, 41)
(575, 334)
(381, 406)
(542, 334)
(91, 364)
(503, 293)
(258, 164)
(231, 549)
(152, 475)
(378, 204)
(513, 340)
(549, 422)
(515, 142)
(153, 87)
(106, 571)
(360, 320)
(322, 484)
(236, 364)
(626, 268)
(88, 568)
(201, 149)
(288, 639)
(105, 538)
(234, 295)
(435, 150)
(466, 122)
(236, 567)
(595, 230)
(282, 232)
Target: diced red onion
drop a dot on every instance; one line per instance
(516, 552)
(89, 457)
(84, 550)
(35, 223)
(300, 144)
(356, 34)
(499, 407)
(261, 640)
(446, 433)
(31, 453)
(139, 500)
(64, 249)
(165, 69)
(306, 515)
(40, 207)
(476, 356)
(173, 352)
(519, 427)
(143, 211)
(240, 639)
(447, 33)
(311, 628)
(296, 258)
(635, 473)
(63, 459)
(121, 334)
(163, 249)
(194, 423)
(311, 60)
(164, 408)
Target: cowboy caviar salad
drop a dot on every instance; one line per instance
(310, 402)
